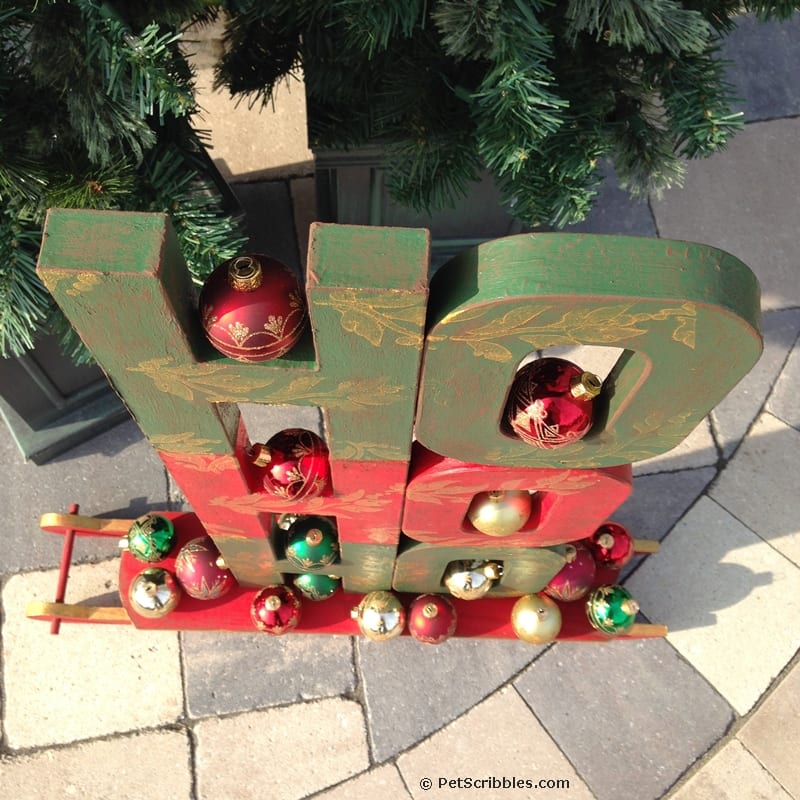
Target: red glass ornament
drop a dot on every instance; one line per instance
(296, 464)
(201, 571)
(575, 578)
(252, 308)
(431, 619)
(611, 545)
(551, 403)
(275, 609)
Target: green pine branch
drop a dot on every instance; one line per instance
(24, 302)
(654, 26)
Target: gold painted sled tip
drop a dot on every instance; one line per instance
(58, 523)
(642, 546)
(68, 612)
(645, 630)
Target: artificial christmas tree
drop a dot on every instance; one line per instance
(96, 101)
(535, 93)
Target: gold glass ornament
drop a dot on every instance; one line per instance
(380, 616)
(536, 619)
(471, 580)
(154, 593)
(500, 513)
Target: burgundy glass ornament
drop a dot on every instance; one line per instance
(295, 463)
(431, 619)
(201, 571)
(551, 403)
(611, 545)
(575, 578)
(252, 308)
(275, 609)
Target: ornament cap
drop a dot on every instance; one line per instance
(273, 602)
(630, 606)
(493, 571)
(570, 553)
(430, 610)
(244, 274)
(314, 537)
(261, 455)
(496, 495)
(605, 540)
(585, 386)
(220, 562)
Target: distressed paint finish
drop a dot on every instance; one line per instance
(672, 307)
(421, 566)
(686, 315)
(367, 296)
(571, 504)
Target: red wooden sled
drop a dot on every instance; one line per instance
(485, 618)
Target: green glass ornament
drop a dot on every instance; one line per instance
(611, 609)
(317, 587)
(311, 543)
(150, 538)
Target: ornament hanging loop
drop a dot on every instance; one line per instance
(244, 274)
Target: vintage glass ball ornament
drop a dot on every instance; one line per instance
(611, 609)
(611, 545)
(275, 609)
(154, 593)
(432, 618)
(311, 543)
(536, 619)
(500, 513)
(150, 538)
(380, 616)
(201, 570)
(575, 578)
(317, 587)
(551, 402)
(252, 308)
(285, 521)
(471, 580)
(295, 462)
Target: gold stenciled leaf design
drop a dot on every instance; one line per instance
(563, 482)
(687, 326)
(605, 325)
(378, 391)
(81, 282)
(523, 458)
(215, 383)
(202, 462)
(210, 382)
(371, 317)
(349, 505)
(347, 395)
(436, 492)
(364, 451)
(386, 536)
(182, 443)
(185, 443)
(85, 282)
